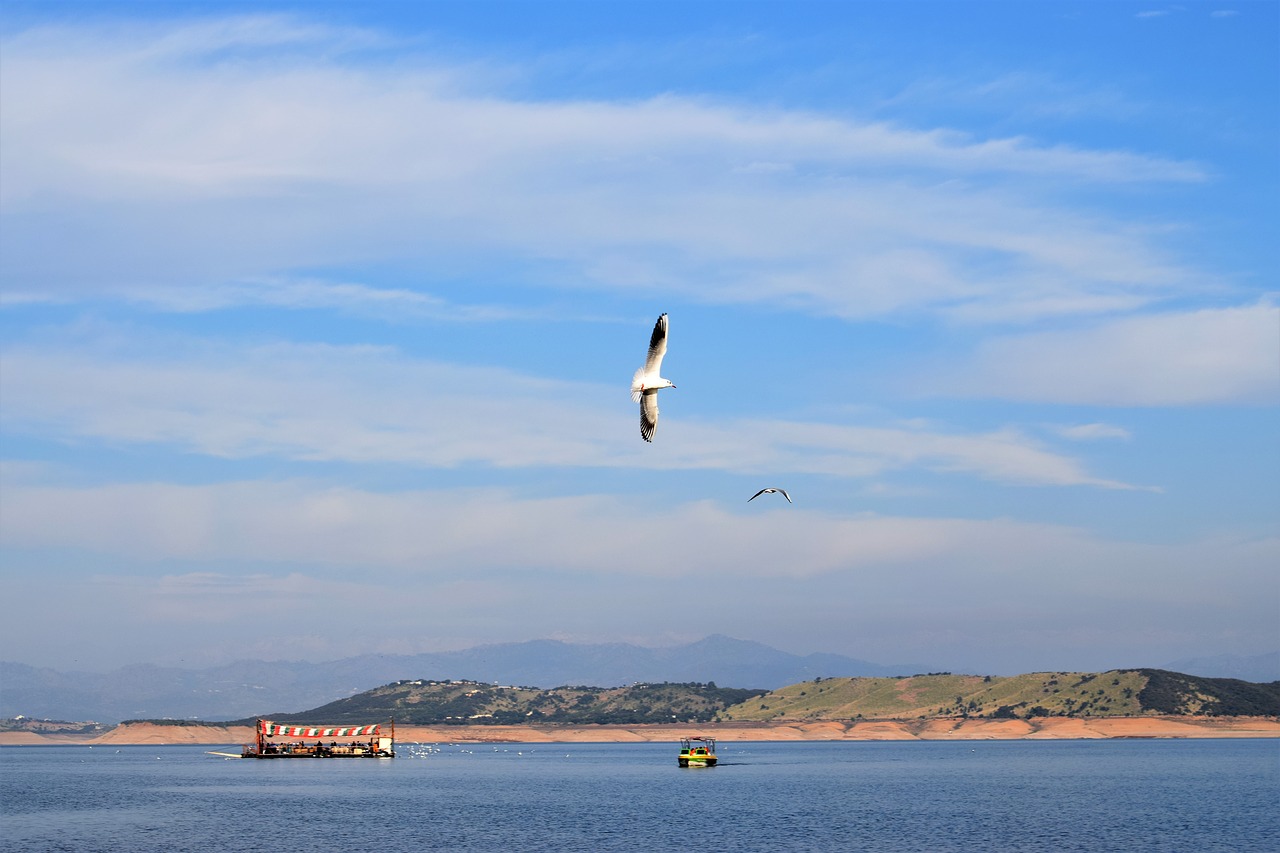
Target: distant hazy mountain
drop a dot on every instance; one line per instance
(1260, 668)
(247, 688)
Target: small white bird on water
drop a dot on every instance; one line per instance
(647, 381)
(770, 491)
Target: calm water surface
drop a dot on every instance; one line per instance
(1168, 795)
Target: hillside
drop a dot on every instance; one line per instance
(423, 703)
(1046, 694)
(1120, 693)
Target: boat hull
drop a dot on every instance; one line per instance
(697, 762)
(301, 751)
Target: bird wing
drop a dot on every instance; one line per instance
(648, 414)
(756, 495)
(783, 492)
(657, 347)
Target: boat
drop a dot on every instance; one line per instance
(369, 741)
(697, 752)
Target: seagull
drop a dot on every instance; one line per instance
(646, 383)
(770, 491)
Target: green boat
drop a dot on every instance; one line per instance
(697, 752)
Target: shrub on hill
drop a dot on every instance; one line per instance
(474, 703)
(1174, 693)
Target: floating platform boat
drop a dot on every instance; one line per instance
(697, 752)
(309, 741)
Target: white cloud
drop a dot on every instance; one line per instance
(1091, 432)
(350, 298)
(478, 564)
(244, 168)
(349, 404)
(1209, 356)
(451, 534)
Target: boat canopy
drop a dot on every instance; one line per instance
(266, 728)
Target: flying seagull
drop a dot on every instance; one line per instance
(770, 491)
(646, 383)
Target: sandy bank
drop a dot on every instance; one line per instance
(1044, 728)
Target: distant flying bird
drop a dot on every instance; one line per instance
(647, 381)
(770, 491)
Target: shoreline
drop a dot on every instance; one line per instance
(931, 729)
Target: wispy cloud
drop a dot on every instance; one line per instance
(1213, 355)
(180, 144)
(395, 304)
(332, 403)
(1092, 432)
(450, 534)
(1023, 93)
(479, 564)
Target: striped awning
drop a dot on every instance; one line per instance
(270, 729)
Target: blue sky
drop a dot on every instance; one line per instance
(318, 322)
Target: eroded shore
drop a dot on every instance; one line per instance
(1042, 728)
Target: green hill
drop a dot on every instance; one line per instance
(475, 703)
(1068, 694)
(1118, 693)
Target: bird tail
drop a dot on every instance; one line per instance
(635, 385)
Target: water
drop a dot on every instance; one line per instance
(1167, 795)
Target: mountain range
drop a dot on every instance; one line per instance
(246, 688)
(1257, 668)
